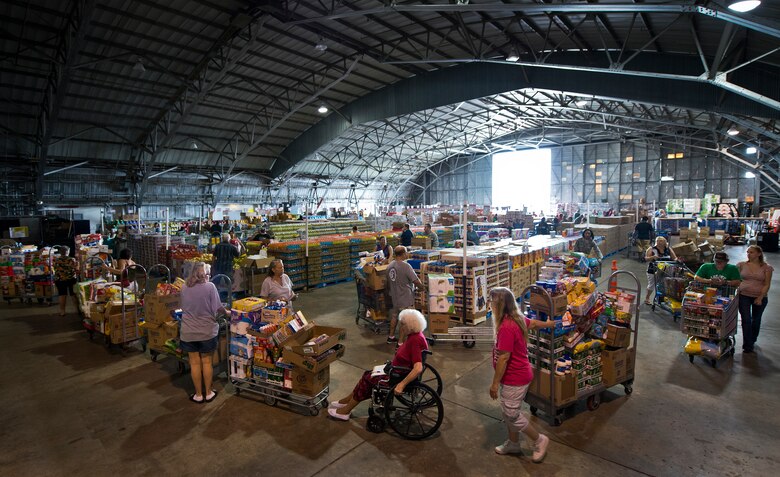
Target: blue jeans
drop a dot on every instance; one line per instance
(751, 320)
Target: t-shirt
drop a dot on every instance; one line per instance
(224, 253)
(472, 237)
(708, 270)
(275, 291)
(199, 306)
(64, 269)
(401, 278)
(406, 238)
(434, 239)
(411, 351)
(643, 230)
(583, 245)
(509, 338)
(752, 281)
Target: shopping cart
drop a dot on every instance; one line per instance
(671, 281)
(373, 305)
(713, 325)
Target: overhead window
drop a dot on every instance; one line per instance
(522, 178)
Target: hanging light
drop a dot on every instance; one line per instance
(322, 109)
(743, 6)
(749, 175)
(139, 67)
(513, 55)
(194, 145)
(733, 131)
(751, 150)
(581, 102)
(667, 178)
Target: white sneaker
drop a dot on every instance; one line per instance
(335, 415)
(540, 448)
(508, 447)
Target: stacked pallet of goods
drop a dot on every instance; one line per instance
(335, 259)
(296, 229)
(615, 231)
(360, 243)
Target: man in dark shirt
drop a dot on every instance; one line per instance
(216, 229)
(406, 236)
(643, 233)
(224, 253)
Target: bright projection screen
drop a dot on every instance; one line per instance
(522, 179)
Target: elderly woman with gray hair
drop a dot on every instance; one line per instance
(408, 355)
(199, 332)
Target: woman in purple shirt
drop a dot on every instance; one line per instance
(198, 337)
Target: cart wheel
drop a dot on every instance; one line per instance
(324, 404)
(468, 343)
(314, 410)
(375, 424)
(557, 421)
(690, 357)
(714, 362)
(270, 400)
(154, 355)
(377, 330)
(181, 368)
(236, 390)
(628, 389)
(534, 411)
(594, 402)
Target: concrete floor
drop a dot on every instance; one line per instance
(70, 406)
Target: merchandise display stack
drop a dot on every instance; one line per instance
(360, 243)
(709, 319)
(615, 237)
(439, 302)
(39, 275)
(176, 256)
(335, 260)
(469, 304)
(145, 248)
(312, 268)
(160, 318)
(296, 229)
(281, 356)
(14, 268)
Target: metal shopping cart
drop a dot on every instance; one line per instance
(711, 326)
(671, 281)
(373, 305)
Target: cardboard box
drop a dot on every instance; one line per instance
(297, 343)
(249, 304)
(274, 316)
(565, 386)
(314, 364)
(158, 334)
(614, 366)
(539, 302)
(441, 304)
(441, 284)
(309, 384)
(256, 261)
(618, 336)
(157, 309)
(685, 248)
(438, 323)
(376, 276)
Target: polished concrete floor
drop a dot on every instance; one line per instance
(69, 406)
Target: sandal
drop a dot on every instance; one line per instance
(192, 398)
(212, 397)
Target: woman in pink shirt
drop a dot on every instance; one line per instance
(513, 371)
(756, 279)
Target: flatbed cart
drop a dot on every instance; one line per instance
(272, 390)
(671, 280)
(182, 359)
(468, 335)
(591, 395)
(715, 324)
(369, 298)
(129, 331)
(93, 268)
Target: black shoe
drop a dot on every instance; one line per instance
(392, 339)
(749, 351)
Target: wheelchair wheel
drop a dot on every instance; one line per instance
(416, 414)
(432, 378)
(375, 424)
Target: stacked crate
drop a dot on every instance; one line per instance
(360, 243)
(335, 260)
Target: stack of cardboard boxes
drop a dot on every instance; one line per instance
(158, 321)
(440, 301)
(617, 360)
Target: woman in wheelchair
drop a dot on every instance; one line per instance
(513, 372)
(408, 355)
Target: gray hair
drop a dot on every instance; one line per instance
(226, 237)
(414, 320)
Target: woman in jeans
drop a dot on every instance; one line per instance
(756, 279)
(513, 372)
(200, 304)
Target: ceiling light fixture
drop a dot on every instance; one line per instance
(513, 55)
(322, 109)
(320, 46)
(581, 102)
(194, 145)
(751, 150)
(139, 67)
(749, 175)
(743, 6)
(667, 178)
(733, 132)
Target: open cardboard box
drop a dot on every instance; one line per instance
(311, 363)
(297, 342)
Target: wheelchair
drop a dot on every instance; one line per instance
(415, 414)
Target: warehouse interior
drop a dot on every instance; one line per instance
(131, 112)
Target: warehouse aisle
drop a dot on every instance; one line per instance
(70, 406)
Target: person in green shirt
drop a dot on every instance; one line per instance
(720, 272)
